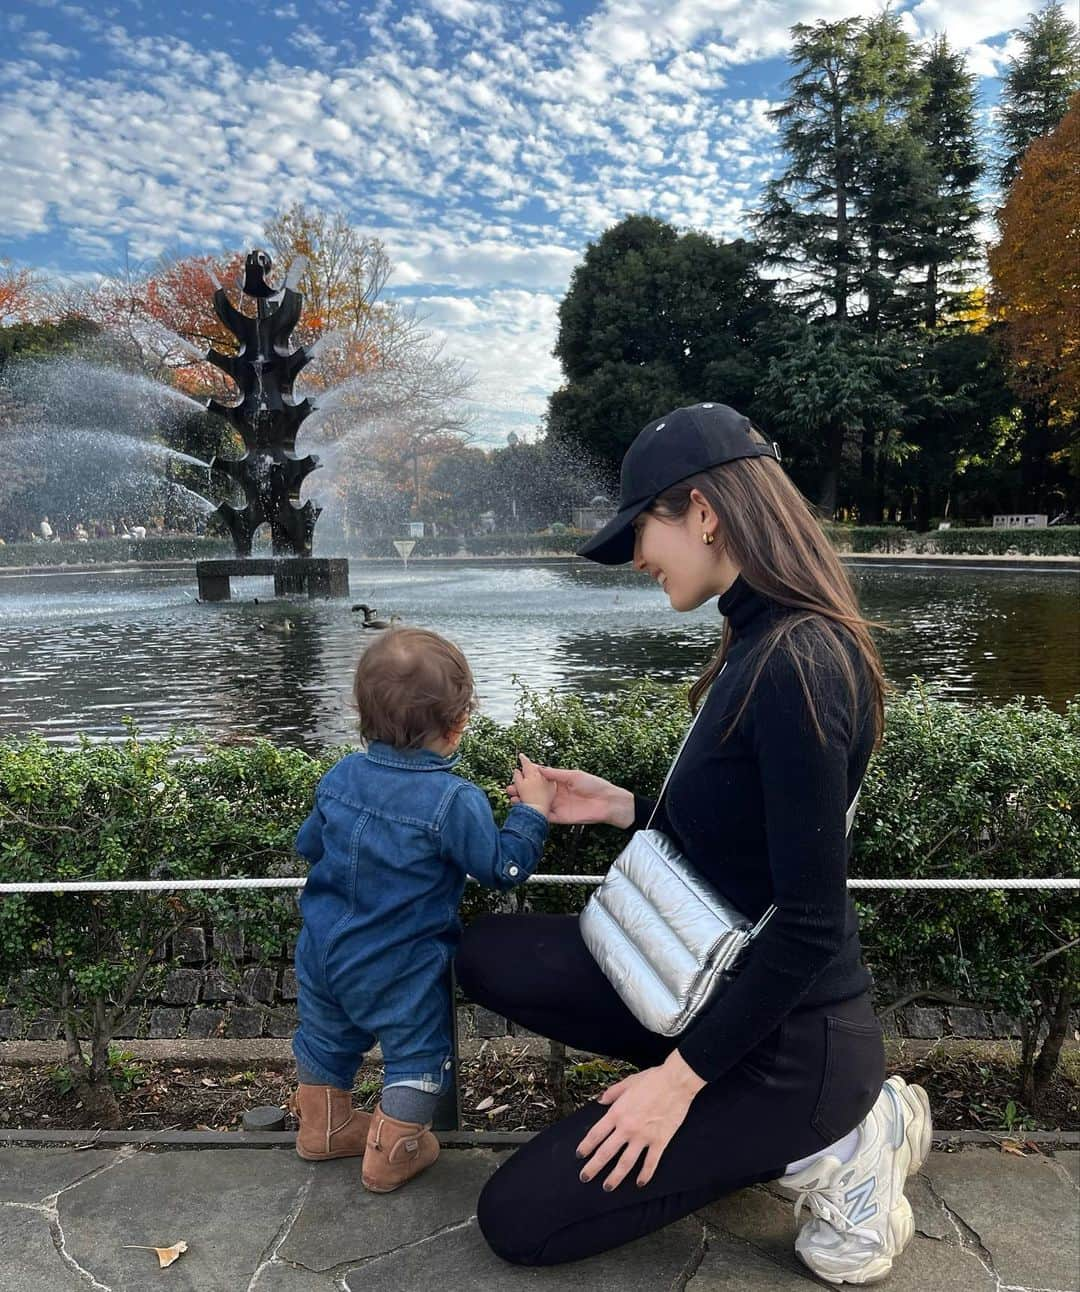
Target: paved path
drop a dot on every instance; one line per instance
(264, 1221)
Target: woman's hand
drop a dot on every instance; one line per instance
(584, 799)
(644, 1112)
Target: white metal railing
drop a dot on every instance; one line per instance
(298, 881)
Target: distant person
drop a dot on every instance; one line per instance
(138, 531)
(82, 534)
(45, 530)
(392, 836)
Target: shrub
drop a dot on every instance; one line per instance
(1056, 540)
(135, 810)
(955, 790)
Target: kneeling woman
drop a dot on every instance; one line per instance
(780, 1075)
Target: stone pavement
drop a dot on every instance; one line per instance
(261, 1220)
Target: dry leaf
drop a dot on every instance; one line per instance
(1011, 1146)
(234, 1079)
(165, 1255)
(209, 1081)
(484, 1104)
(496, 1111)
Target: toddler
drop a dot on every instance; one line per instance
(390, 840)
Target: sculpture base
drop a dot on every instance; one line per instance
(293, 575)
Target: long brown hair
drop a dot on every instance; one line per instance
(773, 534)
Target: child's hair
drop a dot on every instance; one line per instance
(412, 686)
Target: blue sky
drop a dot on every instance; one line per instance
(485, 143)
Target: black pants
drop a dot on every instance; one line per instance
(807, 1084)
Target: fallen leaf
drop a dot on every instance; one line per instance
(208, 1081)
(1011, 1146)
(496, 1111)
(234, 1079)
(484, 1104)
(165, 1255)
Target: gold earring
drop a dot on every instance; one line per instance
(708, 538)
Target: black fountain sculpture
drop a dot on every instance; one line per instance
(268, 419)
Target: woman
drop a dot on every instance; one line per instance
(780, 1076)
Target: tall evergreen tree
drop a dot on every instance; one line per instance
(1038, 84)
(944, 244)
(807, 222)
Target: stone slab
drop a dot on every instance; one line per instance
(33, 1174)
(761, 1217)
(277, 1277)
(733, 1266)
(29, 1261)
(930, 1265)
(1069, 1159)
(228, 1205)
(342, 1223)
(931, 1218)
(1023, 1211)
(460, 1259)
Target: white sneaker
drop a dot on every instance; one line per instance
(861, 1219)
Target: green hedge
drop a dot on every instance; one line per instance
(1056, 540)
(1063, 540)
(955, 790)
(111, 551)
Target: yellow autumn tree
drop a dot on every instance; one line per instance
(1035, 269)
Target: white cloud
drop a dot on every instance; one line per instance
(486, 143)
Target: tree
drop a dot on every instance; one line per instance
(806, 221)
(18, 293)
(1036, 293)
(944, 241)
(1038, 84)
(826, 383)
(1036, 288)
(653, 319)
(837, 222)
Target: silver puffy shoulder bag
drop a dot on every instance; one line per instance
(666, 940)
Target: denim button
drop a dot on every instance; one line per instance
(446, 1064)
(513, 870)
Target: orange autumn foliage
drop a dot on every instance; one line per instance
(1036, 268)
(18, 293)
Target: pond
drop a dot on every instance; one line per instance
(79, 652)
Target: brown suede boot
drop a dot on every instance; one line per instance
(329, 1124)
(396, 1151)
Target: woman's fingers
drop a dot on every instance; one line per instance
(596, 1136)
(610, 1149)
(622, 1168)
(612, 1092)
(652, 1160)
(561, 775)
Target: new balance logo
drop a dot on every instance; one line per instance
(859, 1207)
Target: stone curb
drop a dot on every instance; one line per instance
(448, 1139)
(228, 1052)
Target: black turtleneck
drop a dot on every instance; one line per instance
(761, 815)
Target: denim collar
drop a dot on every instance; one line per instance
(413, 760)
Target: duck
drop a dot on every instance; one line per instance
(371, 619)
(282, 629)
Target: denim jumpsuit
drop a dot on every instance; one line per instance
(391, 838)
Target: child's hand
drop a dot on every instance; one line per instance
(532, 786)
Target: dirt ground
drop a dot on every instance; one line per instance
(507, 1091)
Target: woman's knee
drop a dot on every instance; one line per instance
(508, 1226)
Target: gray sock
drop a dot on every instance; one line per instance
(407, 1104)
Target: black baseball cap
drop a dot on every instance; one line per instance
(680, 444)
